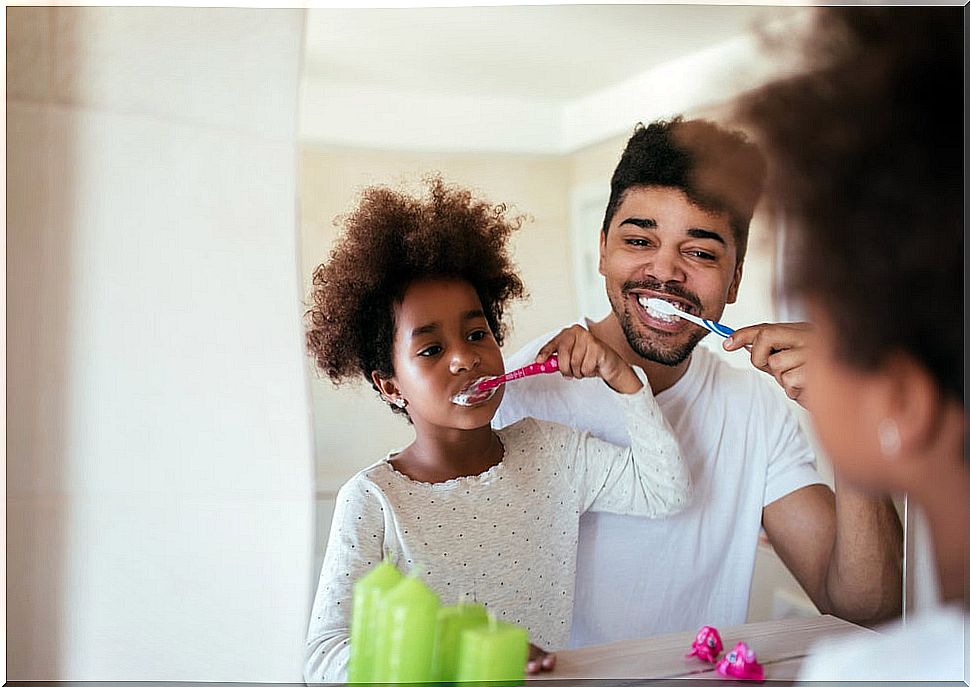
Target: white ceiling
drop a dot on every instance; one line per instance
(545, 53)
(526, 79)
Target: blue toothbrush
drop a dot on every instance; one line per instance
(670, 309)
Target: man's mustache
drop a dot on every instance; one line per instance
(659, 287)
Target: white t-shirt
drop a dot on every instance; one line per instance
(744, 448)
(931, 646)
(506, 537)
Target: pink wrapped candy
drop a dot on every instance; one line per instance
(707, 644)
(741, 663)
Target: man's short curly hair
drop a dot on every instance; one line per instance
(718, 170)
(390, 240)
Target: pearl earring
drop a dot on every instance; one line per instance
(889, 442)
(400, 403)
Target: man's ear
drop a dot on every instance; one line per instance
(602, 263)
(386, 385)
(732, 295)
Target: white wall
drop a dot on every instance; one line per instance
(159, 450)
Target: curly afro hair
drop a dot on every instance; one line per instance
(719, 170)
(390, 240)
(868, 167)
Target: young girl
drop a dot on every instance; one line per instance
(412, 300)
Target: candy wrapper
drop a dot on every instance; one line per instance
(741, 663)
(707, 644)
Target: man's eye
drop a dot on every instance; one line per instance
(703, 255)
(477, 335)
(637, 242)
(430, 351)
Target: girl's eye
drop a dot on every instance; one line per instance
(430, 351)
(477, 335)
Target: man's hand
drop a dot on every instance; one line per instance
(539, 660)
(778, 349)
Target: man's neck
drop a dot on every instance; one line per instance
(662, 377)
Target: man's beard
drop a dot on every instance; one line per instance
(652, 348)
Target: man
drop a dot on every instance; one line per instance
(676, 228)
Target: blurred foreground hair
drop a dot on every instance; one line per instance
(866, 163)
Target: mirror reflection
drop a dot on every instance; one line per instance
(532, 108)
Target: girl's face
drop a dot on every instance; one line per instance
(847, 406)
(442, 342)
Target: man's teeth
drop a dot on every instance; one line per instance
(656, 314)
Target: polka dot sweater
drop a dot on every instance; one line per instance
(506, 538)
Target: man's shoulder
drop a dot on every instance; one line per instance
(527, 353)
(547, 397)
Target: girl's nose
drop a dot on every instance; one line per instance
(464, 359)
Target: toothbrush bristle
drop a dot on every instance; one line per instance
(474, 394)
(662, 306)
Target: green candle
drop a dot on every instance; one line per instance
(452, 621)
(405, 640)
(496, 651)
(368, 592)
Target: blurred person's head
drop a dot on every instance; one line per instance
(866, 152)
(676, 228)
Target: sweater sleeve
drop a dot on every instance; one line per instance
(355, 546)
(650, 478)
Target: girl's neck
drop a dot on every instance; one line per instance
(438, 455)
(946, 511)
(943, 492)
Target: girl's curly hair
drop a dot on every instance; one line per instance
(390, 240)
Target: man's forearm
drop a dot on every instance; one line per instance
(864, 580)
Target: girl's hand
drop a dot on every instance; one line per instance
(583, 355)
(539, 660)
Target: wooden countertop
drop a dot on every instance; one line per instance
(780, 645)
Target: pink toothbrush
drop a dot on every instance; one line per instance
(482, 389)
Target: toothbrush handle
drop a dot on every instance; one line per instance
(550, 365)
(718, 328)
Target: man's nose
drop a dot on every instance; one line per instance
(666, 265)
(464, 358)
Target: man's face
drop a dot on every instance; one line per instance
(660, 245)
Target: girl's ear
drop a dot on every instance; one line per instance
(915, 405)
(386, 386)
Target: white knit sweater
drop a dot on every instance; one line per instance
(506, 538)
